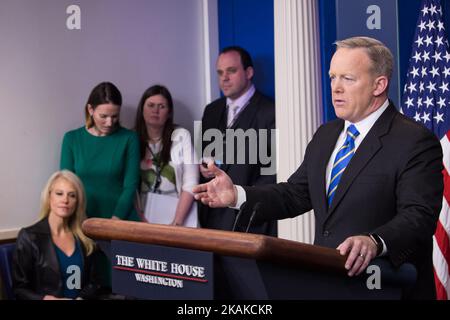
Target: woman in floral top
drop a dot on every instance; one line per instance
(167, 164)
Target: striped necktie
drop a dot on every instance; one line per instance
(232, 114)
(341, 161)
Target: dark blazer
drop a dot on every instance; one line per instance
(258, 114)
(392, 187)
(36, 269)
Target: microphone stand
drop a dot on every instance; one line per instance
(255, 210)
(241, 209)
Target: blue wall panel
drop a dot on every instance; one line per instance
(249, 23)
(327, 21)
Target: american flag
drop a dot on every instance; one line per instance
(426, 99)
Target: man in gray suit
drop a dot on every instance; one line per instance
(243, 109)
(373, 177)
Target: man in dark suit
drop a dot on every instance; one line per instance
(240, 117)
(382, 199)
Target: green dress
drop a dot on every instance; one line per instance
(108, 166)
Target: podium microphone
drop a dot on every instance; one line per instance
(255, 209)
(243, 206)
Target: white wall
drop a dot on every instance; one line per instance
(47, 72)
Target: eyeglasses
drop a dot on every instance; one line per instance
(159, 106)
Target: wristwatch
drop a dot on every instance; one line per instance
(376, 238)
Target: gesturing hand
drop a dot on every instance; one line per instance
(219, 192)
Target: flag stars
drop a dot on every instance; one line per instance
(446, 71)
(447, 56)
(417, 117)
(441, 102)
(419, 41)
(431, 86)
(439, 117)
(434, 71)
(428, 102)
(427, 88)
(414, 72)
(437, 56)
(412, 87)
(421, 86)
(419, 102)
(426, 117)
(424, 71)
(416, 56)
(422, 25)
(409, 102)
(433, 9)
(439, 42)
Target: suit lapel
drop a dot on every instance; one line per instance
(247, 115)
(366, 151)
(219, 118)
(214, 119)
(325, 151)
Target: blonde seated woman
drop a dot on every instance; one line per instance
(53, 258)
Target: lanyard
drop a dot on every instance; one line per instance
(157, 182)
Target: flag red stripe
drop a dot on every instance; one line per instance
(441, 293)
(446, 185)
(443, 241)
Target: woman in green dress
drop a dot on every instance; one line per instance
(105, 156)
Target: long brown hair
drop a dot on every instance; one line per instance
(169, 126)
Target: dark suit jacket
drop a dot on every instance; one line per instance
(36, 269)
(392, 187)
(258, 114)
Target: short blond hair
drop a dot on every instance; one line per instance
(74, 222)
(380, 55)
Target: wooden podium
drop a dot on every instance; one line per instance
(251, 266)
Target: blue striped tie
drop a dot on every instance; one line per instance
(341, 161)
